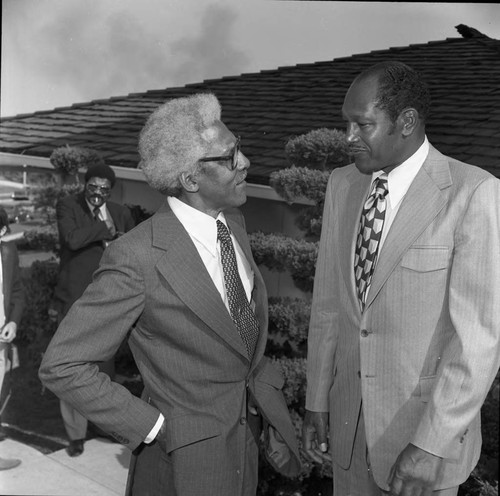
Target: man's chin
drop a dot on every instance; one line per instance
(364, 166)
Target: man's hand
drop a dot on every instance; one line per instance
(8, 332)
(53, 314)
(162, 436)
(315, 436)
(415, 472)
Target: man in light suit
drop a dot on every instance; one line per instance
(208, 390)
(87, 222)
(401, 357)
(12, 302)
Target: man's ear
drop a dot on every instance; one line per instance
(189, 181)
(409, 119)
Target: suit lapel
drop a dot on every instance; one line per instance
(353, 194)
(423, 201)
(259, 294)
(184, 270)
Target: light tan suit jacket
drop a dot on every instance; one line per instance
(422, 356)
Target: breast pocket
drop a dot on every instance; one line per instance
(426, 258)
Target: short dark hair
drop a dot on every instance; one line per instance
(400, 87)
(4, 219)
(103, 171)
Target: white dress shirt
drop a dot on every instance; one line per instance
(202, 229)
(398, 182)
(103, 211)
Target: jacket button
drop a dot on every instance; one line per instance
(243, 420)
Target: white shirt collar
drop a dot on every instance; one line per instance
(102, 208)
(199, 225)
(400, 178)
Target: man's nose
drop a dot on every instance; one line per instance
(243, 162)
(351, 133)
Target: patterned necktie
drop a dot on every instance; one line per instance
(369, 234)
(97, 211)
(241, 312)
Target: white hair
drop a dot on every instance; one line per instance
(171, 141)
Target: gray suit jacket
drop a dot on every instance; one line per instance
(423, 354)
(193, 363)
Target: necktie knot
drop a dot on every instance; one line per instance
(380, 186)
(223, 232)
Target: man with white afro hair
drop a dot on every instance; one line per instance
(183, 288)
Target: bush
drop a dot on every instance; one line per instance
(298, 183)
(35, 328)
(43, 239)
(289, 322)
(69, 159)
(322, 149)
(278, 252)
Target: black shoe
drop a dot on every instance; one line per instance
(75, 447)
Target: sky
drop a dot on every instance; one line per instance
(59, 52)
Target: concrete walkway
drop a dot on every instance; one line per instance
(100, 471)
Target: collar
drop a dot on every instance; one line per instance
(199, 225)
(400, 178)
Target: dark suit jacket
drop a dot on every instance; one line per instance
(192, 361)
(82, 245)
(13, 291)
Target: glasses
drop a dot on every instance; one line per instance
(95, 188)
(232, 159)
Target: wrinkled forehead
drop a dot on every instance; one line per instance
(218, 136)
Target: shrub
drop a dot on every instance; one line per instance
(298, 183)
(35, 328)
(42, 239)
(289, 321)
(278, 252)
(69, 159)
(322, 149)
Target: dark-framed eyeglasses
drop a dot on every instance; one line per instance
(95, 188)
(231, 159)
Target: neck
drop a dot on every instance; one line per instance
(194, 201)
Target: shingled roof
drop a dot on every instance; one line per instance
(269, 107)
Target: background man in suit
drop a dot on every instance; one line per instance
(12, 301)
(87, 223)
(186, 283)
(401, 358)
